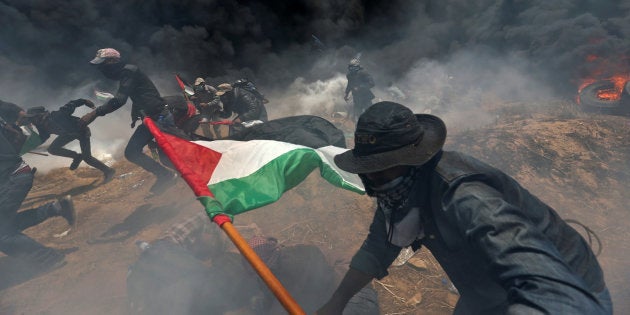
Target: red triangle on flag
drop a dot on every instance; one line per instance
(195, 163)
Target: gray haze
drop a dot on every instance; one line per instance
(440, 56)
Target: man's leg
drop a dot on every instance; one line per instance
(356, 111)
(12, 241)
(57, 148)
(133, 153)
(86, 155)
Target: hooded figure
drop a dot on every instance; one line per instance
(189, 271)
(505, 250)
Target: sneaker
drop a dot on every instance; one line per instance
(163, 183)
(109, 175)
(67, 210)
(75, 163)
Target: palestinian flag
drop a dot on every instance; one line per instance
(231, 177)
(32, 141)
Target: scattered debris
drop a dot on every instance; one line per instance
(138, 184)
(62, 234)
(386, 287)
(417, 263)
(414, 300)
(125, 175)
(405, 254)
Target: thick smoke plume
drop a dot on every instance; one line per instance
(439, 56)
(434, 56)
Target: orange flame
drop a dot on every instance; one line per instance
(619, 80)
(614, 94)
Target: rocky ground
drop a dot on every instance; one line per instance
(576, 162)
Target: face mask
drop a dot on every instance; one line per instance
(111, 71)
(198, 88)
(371, 189)
(389, 185)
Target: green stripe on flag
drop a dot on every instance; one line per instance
(32, 141)
(212, 206)
(268, 183)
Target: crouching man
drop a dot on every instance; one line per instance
(505, 250)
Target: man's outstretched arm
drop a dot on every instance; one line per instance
(352, 282)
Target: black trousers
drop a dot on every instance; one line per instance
(57, 148)
(141, 138)
(12, 241)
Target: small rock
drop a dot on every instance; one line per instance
(417, 263)
(62, 234)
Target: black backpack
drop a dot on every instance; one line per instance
(247, 85)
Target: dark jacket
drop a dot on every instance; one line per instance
(359, 83)
(9, 157)
(9, 111)
(11, 139)
(60, 122)
(245, 104)
(136, 85)
(503, 248)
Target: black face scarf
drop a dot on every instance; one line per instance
(112, 71)
(392, 197)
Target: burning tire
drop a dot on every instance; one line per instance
(590, 98)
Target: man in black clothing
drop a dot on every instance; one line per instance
(242, 102)
(147, 101)
(62, 123)
(505, 250)
(208, 104)
(359, 83)
(16, 180)
(205, 98)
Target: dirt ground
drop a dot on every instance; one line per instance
(574, 161)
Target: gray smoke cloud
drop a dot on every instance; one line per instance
(439, 56)
(434, 56)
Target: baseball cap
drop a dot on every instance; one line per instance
(103, 54)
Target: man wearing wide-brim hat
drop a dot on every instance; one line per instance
(505, 251)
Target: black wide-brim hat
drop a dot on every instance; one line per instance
(389, 134)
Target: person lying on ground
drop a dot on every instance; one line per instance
(191, 270)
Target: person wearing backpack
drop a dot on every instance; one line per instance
(243, 103)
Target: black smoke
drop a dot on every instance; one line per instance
(48, 42)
